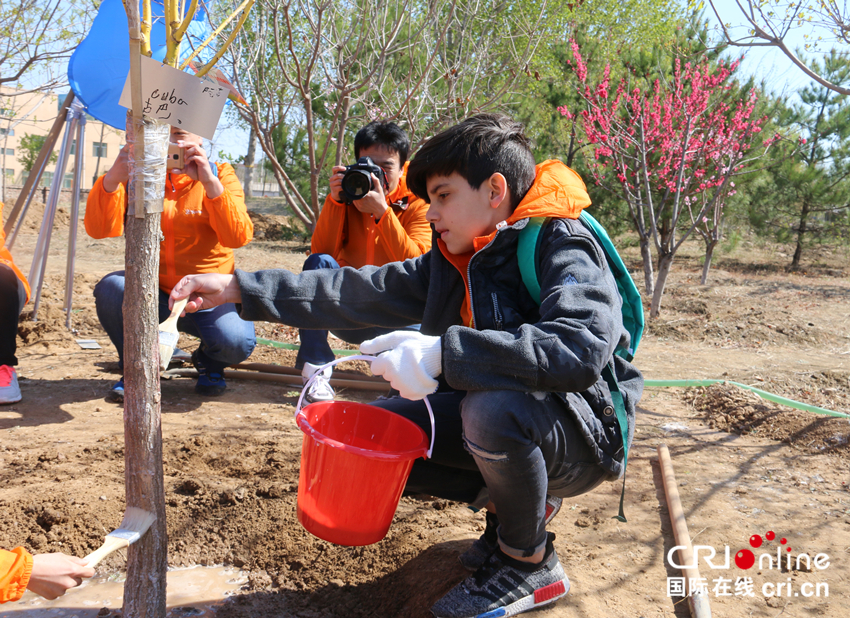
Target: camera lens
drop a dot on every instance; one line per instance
(356, 184)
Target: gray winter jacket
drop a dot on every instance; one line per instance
(560, 346)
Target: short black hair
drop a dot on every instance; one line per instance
(476, 148)
(386, 134)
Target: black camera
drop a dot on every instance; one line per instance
(357, 180)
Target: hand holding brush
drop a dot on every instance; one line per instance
(168, 334)
(135, 523)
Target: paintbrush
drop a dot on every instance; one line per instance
(168, 334)
(135, 523)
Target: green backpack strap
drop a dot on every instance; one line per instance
(529, 239)
(633, 320)
(526, 253)
(632, 309)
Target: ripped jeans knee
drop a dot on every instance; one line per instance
(525, 445)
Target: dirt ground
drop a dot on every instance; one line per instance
(744, 466)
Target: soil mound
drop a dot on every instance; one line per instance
(35, 214)
(232, 500)
(744, 320)
(275, 227)
(49, 329)
(735, 410)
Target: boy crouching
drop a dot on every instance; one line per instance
(523, 416)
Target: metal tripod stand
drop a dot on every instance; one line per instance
(75, 122)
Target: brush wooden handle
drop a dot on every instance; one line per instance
(109, 545)
(175, 312)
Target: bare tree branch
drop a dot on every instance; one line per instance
(768, 24)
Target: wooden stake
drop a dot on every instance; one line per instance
(698, 601)
(292, 371)
(294, 380)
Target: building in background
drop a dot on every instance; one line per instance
(33, 114)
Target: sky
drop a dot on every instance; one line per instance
(767, 63)
(230, 138)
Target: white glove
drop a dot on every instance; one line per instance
(410, 361)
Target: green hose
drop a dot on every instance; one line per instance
(648, 383)
(292, 346)
(763, 394)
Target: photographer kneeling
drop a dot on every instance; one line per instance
(387, 224)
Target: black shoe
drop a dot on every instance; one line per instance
(180, 356)
(116, 394)
(210, 383)
(504, 586)
(484, 546)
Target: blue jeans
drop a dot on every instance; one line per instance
(226, 339)
(519, 447)
(314, 343)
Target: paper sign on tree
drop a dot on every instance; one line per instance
(179, 99)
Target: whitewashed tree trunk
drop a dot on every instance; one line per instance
(646, 256)
(147, 559)
(664, 264)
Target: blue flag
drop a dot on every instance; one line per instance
(98, 68)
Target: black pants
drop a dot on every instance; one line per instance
(10, 310)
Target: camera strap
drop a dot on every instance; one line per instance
(402, 204)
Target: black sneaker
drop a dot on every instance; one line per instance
(504, 586)
(484, 546)
(210, 383)
(180, 356)
(116, 393)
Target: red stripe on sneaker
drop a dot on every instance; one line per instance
(547, 593)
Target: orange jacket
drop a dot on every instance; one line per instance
(6, 257)
(15, 571)
(200, 233)
(353, 238)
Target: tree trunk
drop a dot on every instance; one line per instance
(646, 255)
(664, 264)
(709, 252)
(3, 170)
(249, 163)
(801, 232)
(144, 590)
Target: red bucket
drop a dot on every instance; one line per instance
(355, 460)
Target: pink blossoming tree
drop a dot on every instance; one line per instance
(671, 150)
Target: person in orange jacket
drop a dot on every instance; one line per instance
(203, 220)
(383, 226)
(14, 294)
(48, 575)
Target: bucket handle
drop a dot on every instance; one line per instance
(368, 359)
